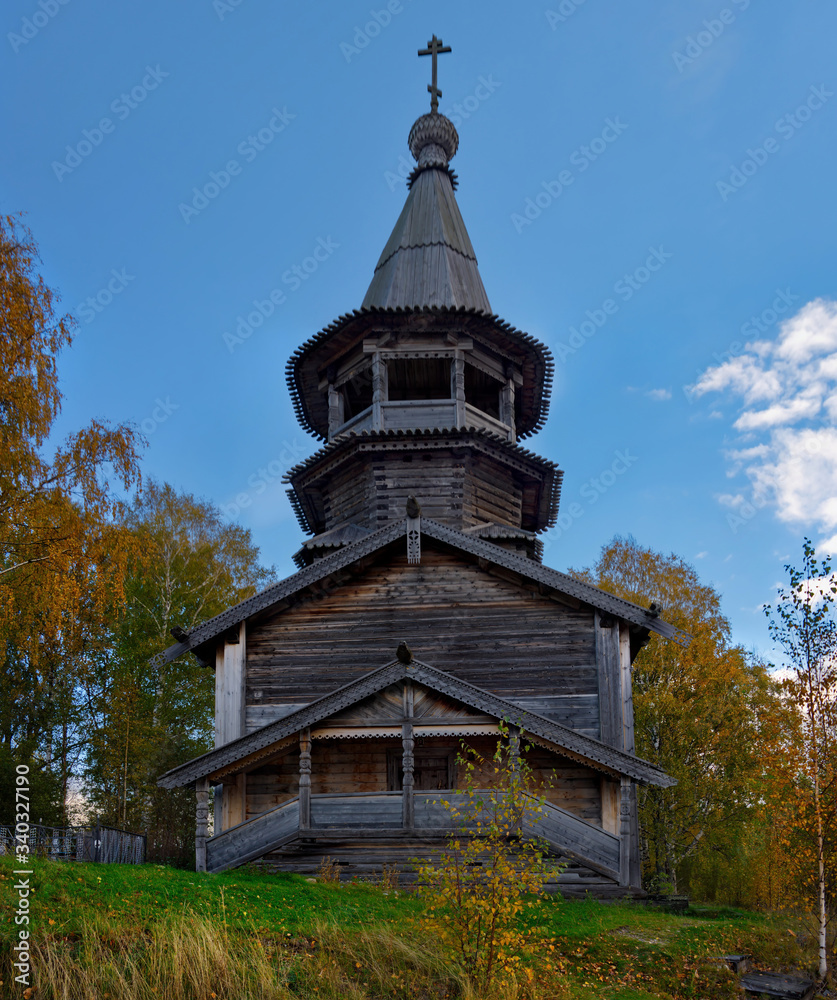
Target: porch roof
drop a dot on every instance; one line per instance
(263, 742)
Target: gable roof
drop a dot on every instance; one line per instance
(574, 744)
(563, 583)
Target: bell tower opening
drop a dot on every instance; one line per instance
(482, 391)
(419, 378)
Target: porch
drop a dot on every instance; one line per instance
(383, 816)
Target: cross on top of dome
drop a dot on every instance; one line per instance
(435, 47)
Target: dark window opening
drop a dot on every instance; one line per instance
(434, 769)
(419, 378)
(482, 391)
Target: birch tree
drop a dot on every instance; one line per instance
(803, 625)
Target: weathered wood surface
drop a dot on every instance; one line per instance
(230, 662)
(567, 833)
(364, 766)
(254, 838)
(610, 680)
(576, 711)
(490, 632)
(371, 812)
(772, 984)
(364, 858)
(201, 823)
(458, 482)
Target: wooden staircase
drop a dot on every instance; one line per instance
(378, 816)
(566, 834)
(253, 839)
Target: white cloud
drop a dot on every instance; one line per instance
(659, 395)
(701, 555)
(787, 389)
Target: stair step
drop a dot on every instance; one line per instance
(772, 984)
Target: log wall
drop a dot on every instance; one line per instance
(488, 631)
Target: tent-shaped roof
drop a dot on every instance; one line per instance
(429, 260)
(262, 742)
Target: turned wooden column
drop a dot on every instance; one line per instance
(305, 779)
(408, 761)
(507, 404)
(457, 387)
(380, 390)
(514, 761)
(201, 823)
(335, 409)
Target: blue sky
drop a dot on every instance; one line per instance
(649, 189)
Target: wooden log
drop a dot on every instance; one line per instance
(610, 689)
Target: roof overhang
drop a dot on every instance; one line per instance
(248, 751)
(307, 364)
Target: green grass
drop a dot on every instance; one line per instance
(137, 932)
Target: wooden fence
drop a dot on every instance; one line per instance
(77, 843)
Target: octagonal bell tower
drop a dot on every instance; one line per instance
(423, 391)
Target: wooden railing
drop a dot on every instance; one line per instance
(254, 838)
(421, 414)
(380, 813)
(375, 811)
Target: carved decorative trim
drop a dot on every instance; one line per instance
(568, 740)
(414, 540)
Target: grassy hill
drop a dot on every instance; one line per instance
(113, 932)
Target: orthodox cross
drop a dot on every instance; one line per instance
(434, 48)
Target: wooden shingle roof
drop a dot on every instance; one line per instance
(428, 259)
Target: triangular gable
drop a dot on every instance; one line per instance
(483, 550)
(572, 744)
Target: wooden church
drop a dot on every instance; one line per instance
(421, 615)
